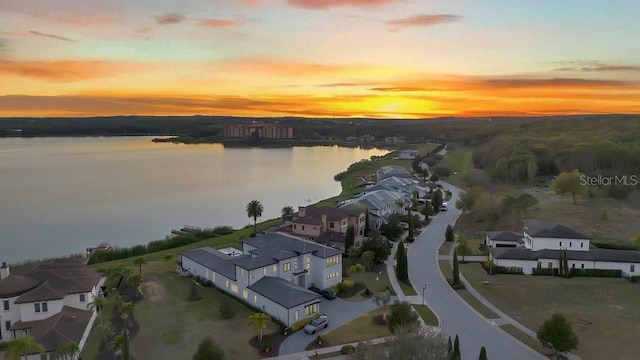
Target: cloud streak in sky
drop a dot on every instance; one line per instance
(170, 19)
(326, 4)
(50, 36)
(423, 20)
(218, 23)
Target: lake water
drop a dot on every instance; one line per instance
(61, 195)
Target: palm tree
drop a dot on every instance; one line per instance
(259, 322)
(121, 342)
(254, 210)
(117, 302)
(98, 304)
(127, 313)
(67, 351)
(105, 331)
(287, 213)
(23, 346)
(139, 261)
(135, 280)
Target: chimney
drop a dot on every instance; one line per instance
(4, 270)
(302, 211)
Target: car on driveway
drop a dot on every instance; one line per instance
(327, 294)
(320, 323)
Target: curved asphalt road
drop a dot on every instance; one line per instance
(456, 316)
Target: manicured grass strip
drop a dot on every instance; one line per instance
(328, 355)
(446, 247)
(407, 289)
(359, 329)
(426, 314)
(524, 338)
(476, 304)
(458, 160)
(445, 267)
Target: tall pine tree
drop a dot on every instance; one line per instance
(349, 238)
(483, 354)
(456, 349)
(456, 269)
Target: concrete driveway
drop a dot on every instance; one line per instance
(339, 312)
(456, 315)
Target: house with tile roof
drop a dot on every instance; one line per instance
(273, 273)
(326, 225)
(48, 301)
(380, 203)
(541, 244)
(392, 170)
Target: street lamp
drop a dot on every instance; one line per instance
(423, 289)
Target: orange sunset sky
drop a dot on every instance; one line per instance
(319, 58)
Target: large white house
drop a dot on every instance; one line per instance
(48, 301)
(272, 273)
(541, 244)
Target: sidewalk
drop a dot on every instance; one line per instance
(308, 354)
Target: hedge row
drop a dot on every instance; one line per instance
(580, 272)
(508, 270)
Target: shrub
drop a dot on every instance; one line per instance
(509, 270)
(319, 340)
(367, 292)
(596, 273)
(544, 271)
(634, 279)
(226, 310)
(194, 293)
(347, 349)
(605, 214)
(266, 348)
(434, 177)
(302, 323)
(402, 314)
(441, 170)
(482, 247)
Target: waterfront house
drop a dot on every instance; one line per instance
(326, 225)
(381, 204)
(273, 273)
(48, 301)
(407, 154)
(540, 246)
(406, 185)
(392, 170)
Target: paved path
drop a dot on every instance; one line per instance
(339, 312)
(455, 315)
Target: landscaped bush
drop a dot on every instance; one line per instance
(302, 323)
(226, 310)
(222, 230)
(596, 273)
(545, 272)
(347, 349)
(458, 286)
(634, 279)
(508, 270)
(613, 246)
(441, 170)
(348, 288)
(319, 340)
(367, 292)
(251, 307)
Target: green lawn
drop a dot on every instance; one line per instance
(172, 327)
(375, 281)
(604, 312)
(445, 267)
(215, 242)
(446, 247)
(458, 160)
(426, 314)
(476, 304)
(407, 289)
(360, 329)
(524, 338)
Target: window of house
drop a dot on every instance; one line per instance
(295, 227)
(275, 269)
(333, 275)
(82, 298)
(581, 244)
(311, 309)
(573, 266)
(286, 266)
(245, 294)
(332, 225)
(334, 260)
(255, 299)
(295, 264)
(296, 315)
(264, 271)
(7, 325)
(36, 307)
(234, 288)
(302, 227)
(550, 265)
(213, 276)
(560, 243)
(253, 274)
(44, 307)
(241, 272)
(632, 268)
(6, 305)
(581, 266)
(226, 283)
(570, 243)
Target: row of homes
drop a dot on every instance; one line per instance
(48, 301)
(540, 244)
(272, 273)
(263, 131)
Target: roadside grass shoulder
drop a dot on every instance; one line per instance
(525, 339)
(426, 314)
(360, 329)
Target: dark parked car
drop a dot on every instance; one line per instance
(328, 294)
(320, 323)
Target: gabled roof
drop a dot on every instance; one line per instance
(290, 244)
(50, 280)
(331, 238)
(377, 199)
(538, 228)
(214, 260)
(392, 170)
(65, 326)
(332, 213)
(505, 236)
(283, 292)
(522, 253)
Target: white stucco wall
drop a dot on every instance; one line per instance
(12, 315)
(539, 243)
(28, 313)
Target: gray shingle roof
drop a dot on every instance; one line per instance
(522, 253)
(292, 245)
(505, 236)
(283, 292)
(538, 228)
(14, 285)
(214, 260)
(254, 262)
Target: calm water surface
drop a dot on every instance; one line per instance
(62, 195)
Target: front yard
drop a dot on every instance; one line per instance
(360, 329)
(604, 312)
